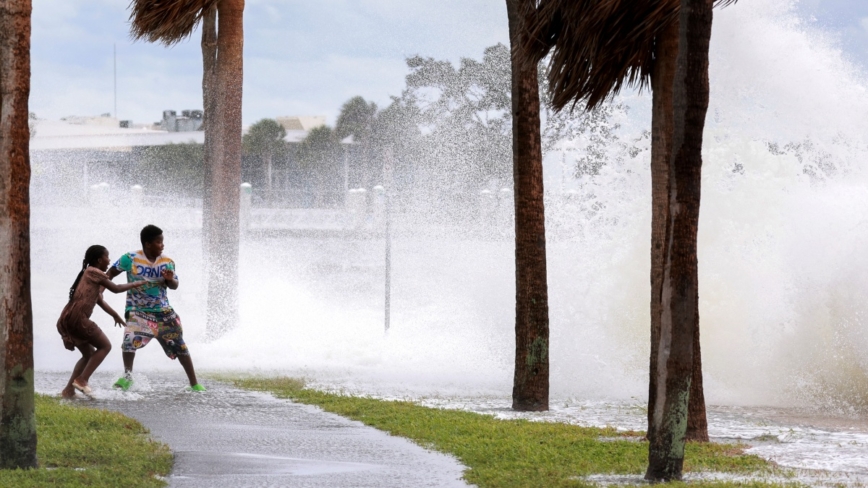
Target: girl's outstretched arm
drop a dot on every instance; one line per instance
(116, 288)
(109, 310)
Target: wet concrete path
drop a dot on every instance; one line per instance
(229, 437)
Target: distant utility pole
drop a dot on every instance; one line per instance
(387, 180)
(115, 56)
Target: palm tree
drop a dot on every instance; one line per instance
(530, 390)
(357, 119)
(17, 419)
(598, 47)
(679, 318)
(265, 139)
(318, 156)
(169, 23)
(662, 85)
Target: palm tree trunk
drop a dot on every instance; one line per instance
(17, 420)
(679, 288)
(531, 382)
(223, 227)
(662, 79)
(210, 121)
(697, 420)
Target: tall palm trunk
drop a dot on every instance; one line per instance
(225, 172)
(662, 79)
(679, 287)
(210, 123)
(697, 420)
(17, 422)
(531, 382)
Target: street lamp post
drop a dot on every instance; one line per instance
(387, 203)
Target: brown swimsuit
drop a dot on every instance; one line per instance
(74, 323)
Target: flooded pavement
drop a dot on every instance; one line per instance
(229, 437)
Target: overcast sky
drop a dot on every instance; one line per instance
(302, 57)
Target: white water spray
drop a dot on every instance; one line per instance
(784, 223)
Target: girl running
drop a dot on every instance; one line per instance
(75, 327)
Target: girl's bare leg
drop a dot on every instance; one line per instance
(86, 351)
(103, 346)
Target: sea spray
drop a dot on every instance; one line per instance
(784, 223)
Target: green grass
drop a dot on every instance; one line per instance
(515, 453)
(80, 447)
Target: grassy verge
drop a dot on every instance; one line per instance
(514, 453)
(80, 447)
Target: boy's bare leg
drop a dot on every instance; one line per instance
(129, 357)
(187, 362)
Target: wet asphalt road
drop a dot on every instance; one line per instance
(229, 437)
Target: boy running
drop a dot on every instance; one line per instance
(148, 313)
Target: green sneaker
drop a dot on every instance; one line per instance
(124, 382)
(197, 387)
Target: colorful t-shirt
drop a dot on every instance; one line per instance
(149, 298)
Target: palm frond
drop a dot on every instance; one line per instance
(166, 21)
(597, 47)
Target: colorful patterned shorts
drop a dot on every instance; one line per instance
(165, 327)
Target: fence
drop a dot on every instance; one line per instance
(485, 214)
